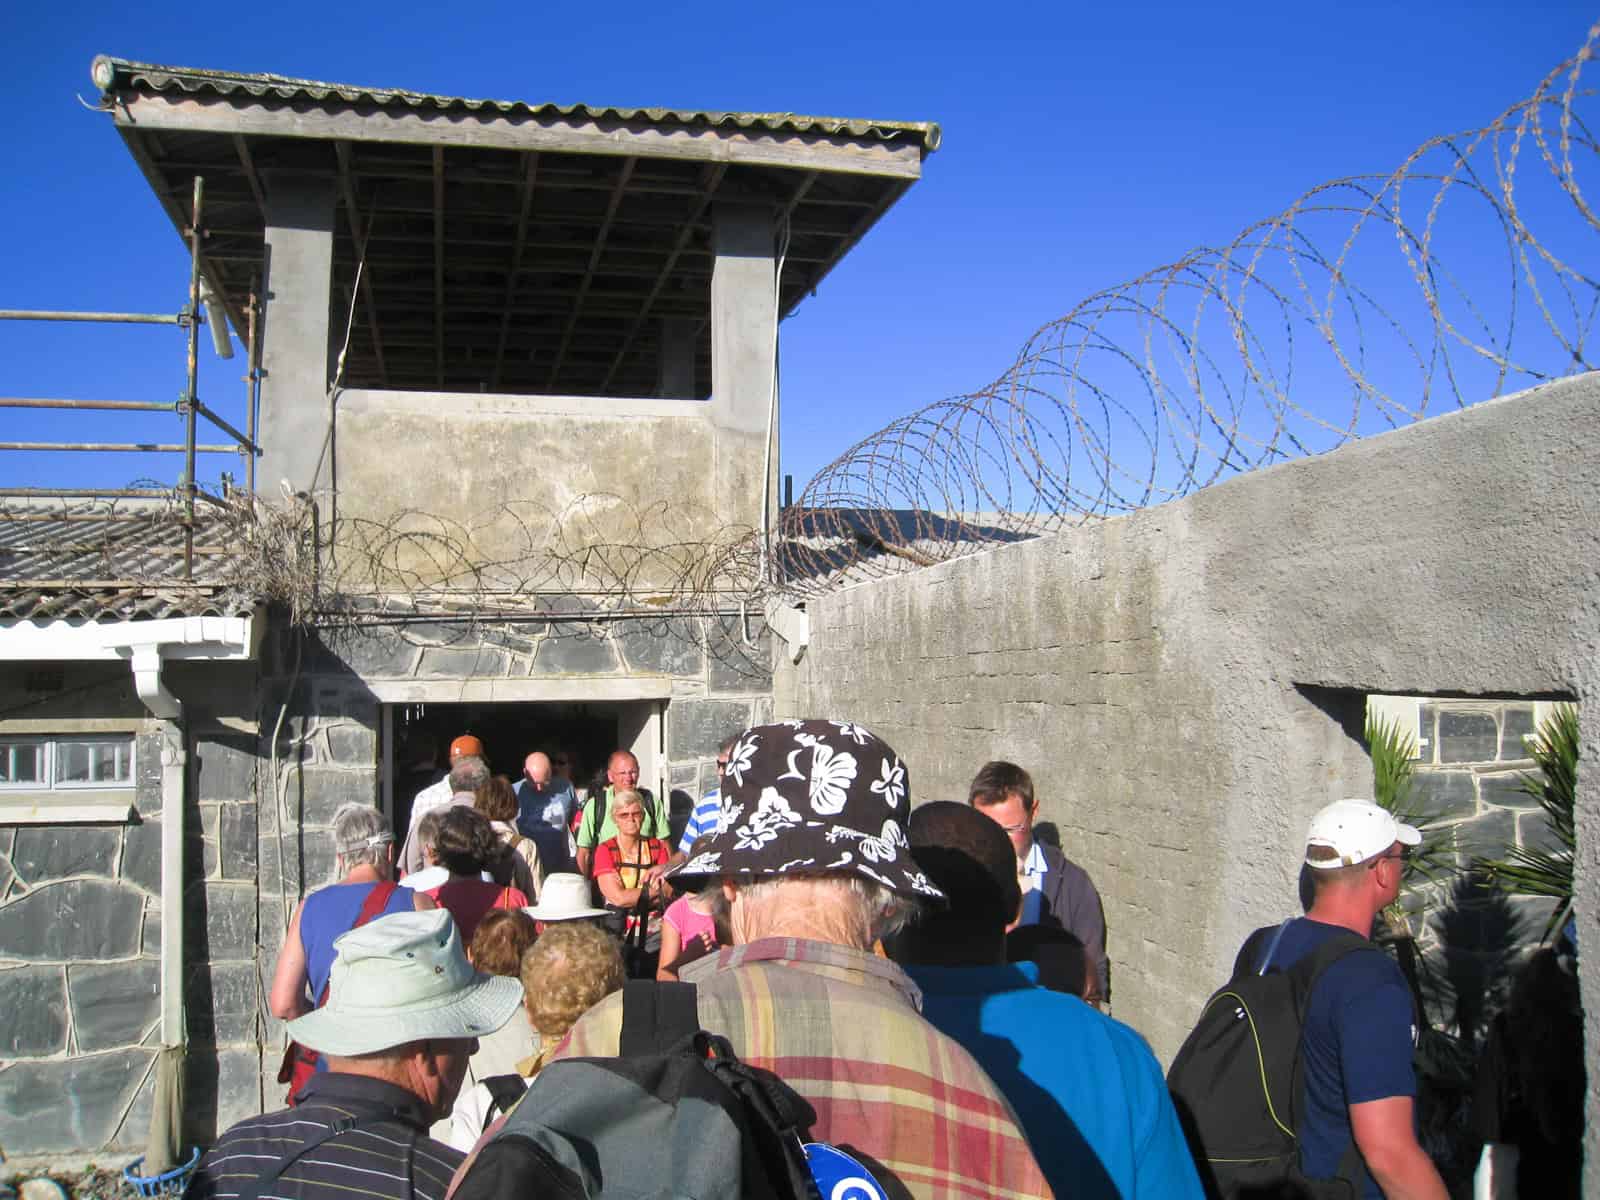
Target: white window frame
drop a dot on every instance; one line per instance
(52, 744)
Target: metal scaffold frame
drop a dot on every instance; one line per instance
(189, 406)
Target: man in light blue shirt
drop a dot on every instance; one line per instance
(545, 806)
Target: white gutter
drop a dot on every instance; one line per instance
(148, 646)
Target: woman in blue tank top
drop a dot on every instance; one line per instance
(364, 859)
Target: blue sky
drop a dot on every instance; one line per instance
(1083, 145)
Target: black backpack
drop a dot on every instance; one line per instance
(677, 1114)
(1237, 1079)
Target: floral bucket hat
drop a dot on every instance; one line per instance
(813, 798)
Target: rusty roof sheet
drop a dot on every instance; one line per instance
(110, 73)
(110, 562)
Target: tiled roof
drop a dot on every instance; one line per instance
(109, 72)
(123, 562)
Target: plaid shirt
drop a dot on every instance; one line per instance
(841, 1027)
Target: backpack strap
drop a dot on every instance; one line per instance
(504, 1091)
(656, 1016)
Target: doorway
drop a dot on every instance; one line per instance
(416, 739)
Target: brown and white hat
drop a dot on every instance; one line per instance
(813, 798)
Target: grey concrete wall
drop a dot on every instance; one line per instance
(1186, 683)
(498, 477)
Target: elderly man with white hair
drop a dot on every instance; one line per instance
(404, 1014)
(811, 855)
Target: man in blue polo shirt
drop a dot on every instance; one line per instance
(1358, 1108)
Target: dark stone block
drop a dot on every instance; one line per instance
(699, 726)
(462, 662)
(736, 666)
(34, 1000)
(1467, 737)
(220, 1003)
(150, 936)
(222, 1088)
(46, 852)
(574, 650)
(219, 921)
(376, 650)
(309, 857)
(200, 852)
(1533, 913)
(1489, 836)
(315, 793)
(1505, 791)
(141, 855)
(72, 1104)
(353, 745)
(1534, 833)
(270, 927)
(134, 1133)
(1444, 794)
(666, 647)
(81, 918)
(523, 643)
(1516, 723)
(236, 840)
(6, 876)
(114, 1004)
(7, 837)
(225, 769)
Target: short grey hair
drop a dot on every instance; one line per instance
(468, 774)
(361, 835)
(868, 908)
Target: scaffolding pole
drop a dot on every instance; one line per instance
(191, 398)
(103, 318)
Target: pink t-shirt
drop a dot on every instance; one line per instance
(689, 923)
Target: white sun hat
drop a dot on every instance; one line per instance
(565, 898)
(1355, 830)
(404, 978)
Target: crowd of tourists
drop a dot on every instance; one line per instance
(494, 1008)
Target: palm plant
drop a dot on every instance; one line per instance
(1526, 871)
(1393, 752)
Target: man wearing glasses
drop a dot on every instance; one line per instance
(706, 818)
(1360, 1031)
(1055, 890)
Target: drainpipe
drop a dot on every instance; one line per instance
(147, 663)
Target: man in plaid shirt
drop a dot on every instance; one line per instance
(813, 859)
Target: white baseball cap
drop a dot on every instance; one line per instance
(404, 978)
(1355, 830)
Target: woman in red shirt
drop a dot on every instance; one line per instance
(467, 847)
(625, 867)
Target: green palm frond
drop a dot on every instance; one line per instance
(1547, 873)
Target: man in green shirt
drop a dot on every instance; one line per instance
(622, 771)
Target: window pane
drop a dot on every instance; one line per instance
(72, 762)
(22, 762)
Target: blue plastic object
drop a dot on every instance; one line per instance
(168, 1183)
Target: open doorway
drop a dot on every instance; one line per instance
(417, 737)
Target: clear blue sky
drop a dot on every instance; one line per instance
(1083, 144)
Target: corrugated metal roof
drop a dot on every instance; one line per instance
(110, 73)
(105, 562)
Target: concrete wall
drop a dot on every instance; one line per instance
(1187, 683)
(463, 458)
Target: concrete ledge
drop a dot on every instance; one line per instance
(19, 811)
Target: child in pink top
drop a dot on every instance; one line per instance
(686, 922)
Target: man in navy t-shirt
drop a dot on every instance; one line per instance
(1360, 1026)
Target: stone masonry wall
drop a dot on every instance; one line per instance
(80, 976)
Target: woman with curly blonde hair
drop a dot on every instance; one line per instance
(572, 967)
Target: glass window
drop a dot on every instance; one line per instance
(50, 763)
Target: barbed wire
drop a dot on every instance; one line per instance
(1369, 303)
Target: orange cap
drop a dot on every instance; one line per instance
(465, 744)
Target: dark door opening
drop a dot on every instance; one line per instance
(585, 733)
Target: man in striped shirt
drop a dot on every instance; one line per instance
(706, 818)
(404, 1013)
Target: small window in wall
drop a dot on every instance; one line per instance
(66, 763)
